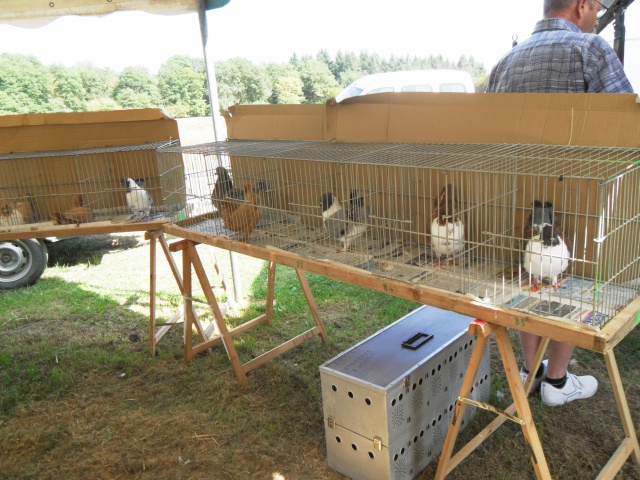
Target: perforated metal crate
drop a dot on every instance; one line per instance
(388, 400)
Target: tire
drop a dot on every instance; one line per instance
(22, 262)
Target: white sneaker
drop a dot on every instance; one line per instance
(535, 384)
(576, 388)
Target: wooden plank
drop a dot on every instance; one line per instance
(99, 228)
(537, 360)
(194, 259)
(445, 465)
(271, 281)
(617, 460)
(623, 406)
(188, 305)
(152, 291)
(166, 248)
(315, 313)
(475, 442)
(522, 405)
(217, 339)
(173, 320)
(219, 273)
(511, 410)
(620, 325)
(574, 333)
(280, 349)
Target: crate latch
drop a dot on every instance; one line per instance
(331, 422)
(377, 443)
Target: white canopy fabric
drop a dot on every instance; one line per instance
(35, 13)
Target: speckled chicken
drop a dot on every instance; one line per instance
(14, 213)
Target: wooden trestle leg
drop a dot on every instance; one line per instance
(629, 445)
(155, 336)
(191, 260)
(483, 330)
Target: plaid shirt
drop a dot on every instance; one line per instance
(559, 58)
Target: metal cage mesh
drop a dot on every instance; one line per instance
(45, 189)
(592, 190)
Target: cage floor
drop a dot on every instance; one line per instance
(99, 219)
(489, 281)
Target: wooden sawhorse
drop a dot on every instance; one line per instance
(483, 330)
(191, 260)
(174, 320)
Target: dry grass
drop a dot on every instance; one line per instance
(83, 398)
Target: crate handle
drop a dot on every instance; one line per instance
(417, 340)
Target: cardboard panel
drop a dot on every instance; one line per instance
(554, 119)
(276, 122)
(61, 131)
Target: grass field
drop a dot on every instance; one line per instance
(82, 397)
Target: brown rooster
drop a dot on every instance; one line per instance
(15, 213)
(241, 216)
(78, 213)
(224, 188)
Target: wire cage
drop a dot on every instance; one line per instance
(458, 217)
(46, 189)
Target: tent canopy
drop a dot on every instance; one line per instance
(35, 13)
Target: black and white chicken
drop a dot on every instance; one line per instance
(344, 225)
(547, 253)
(447, 227)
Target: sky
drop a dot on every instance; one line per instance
(272, 31)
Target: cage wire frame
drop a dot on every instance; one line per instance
(494, 185)
(44, 186)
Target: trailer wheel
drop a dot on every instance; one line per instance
(22, 262)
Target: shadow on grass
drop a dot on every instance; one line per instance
(87, 249)
(56, 338)
(349, 313)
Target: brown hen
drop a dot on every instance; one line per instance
(241, 216)
(78, 213)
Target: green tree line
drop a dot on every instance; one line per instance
(180, 86)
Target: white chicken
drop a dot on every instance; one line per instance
(138, 200)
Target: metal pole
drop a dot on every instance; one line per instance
(217, 119)
(210, 71)
(620, 30)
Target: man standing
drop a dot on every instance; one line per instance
(561, 56)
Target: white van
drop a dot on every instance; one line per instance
(410, 81)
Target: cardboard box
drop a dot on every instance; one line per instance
(553, 119)
(62, 131)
